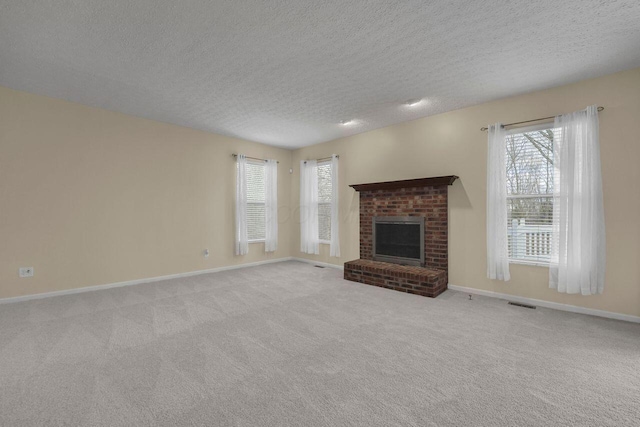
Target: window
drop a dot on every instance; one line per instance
(530, 174)
(255, 201)
(319, 206)
(324, 201)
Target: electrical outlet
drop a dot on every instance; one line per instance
(206, 253)
(25, 271)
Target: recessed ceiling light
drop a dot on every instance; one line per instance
(347, 122)
(414, 102)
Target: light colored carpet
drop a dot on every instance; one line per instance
(289, 344)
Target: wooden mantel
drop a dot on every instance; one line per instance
(407, 183)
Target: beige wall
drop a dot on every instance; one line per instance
(452, 144)
(89, 196)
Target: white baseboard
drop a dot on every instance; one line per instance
(138, 281)
(322, 264)
(548, 304)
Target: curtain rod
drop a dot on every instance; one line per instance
(323, 159)
(234, 155)
(529, 121)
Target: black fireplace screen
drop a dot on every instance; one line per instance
(399, 240)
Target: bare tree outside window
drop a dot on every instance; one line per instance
(529, 194)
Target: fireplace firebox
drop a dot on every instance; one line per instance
(399, 239)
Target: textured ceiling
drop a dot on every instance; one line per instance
(286, 72)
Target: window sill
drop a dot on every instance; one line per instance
(257, 241)
(325, 242)
(533, 263)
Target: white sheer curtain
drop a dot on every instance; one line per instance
(271, 205)
(578, 237)
(309, 239)
(242, 239)
(497, 246)
(334, 248)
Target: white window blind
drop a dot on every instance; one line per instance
(324, 201)
(529, 193)
(255, 201)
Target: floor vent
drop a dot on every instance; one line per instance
(522, 305)
(318, 266)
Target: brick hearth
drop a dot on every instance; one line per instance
(414, 280)
(425, 197)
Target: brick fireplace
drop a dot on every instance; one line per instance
(424, 197)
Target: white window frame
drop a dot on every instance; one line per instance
(257, 163)
(324, 241)
(525, 129)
